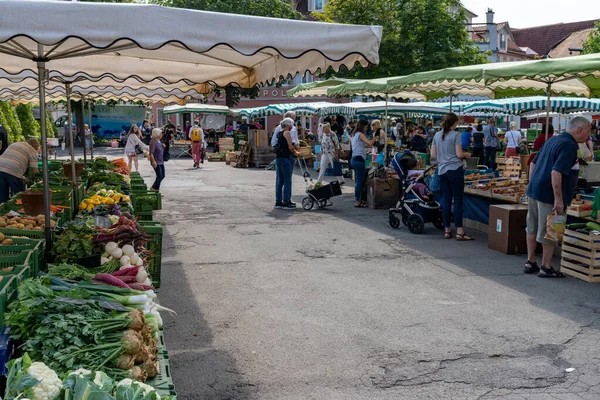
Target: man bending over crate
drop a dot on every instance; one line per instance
(553, 179)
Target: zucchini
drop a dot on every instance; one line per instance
(584, 231)
(593, 226)
(576, 226)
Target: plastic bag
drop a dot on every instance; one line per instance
(555, 227)
(435, 184)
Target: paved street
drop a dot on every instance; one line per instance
(334, 304)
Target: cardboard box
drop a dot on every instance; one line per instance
(506, 228)
(382, 193)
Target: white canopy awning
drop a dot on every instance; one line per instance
(102, 38)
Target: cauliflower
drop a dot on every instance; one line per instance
(50, 384)
(127, 383)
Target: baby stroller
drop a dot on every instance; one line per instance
(415, 210)
(320, 196)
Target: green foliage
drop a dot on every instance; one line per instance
(29, 126)
(592, 44)
(10, 121)
(262, 8)
(51, 129)
(418, 35)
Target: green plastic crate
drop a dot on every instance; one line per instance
(138, 187)
(163, 382)
(16, 258)
(144, 215)
(24, 233)
(154, 246)
(150, 200)
(37, 260)
(8, 293)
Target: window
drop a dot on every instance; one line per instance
(502, 45)
(316, 5)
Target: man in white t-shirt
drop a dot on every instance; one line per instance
(293, 134)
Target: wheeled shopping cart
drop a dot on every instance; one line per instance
(321, 195)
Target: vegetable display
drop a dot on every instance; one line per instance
(16, 221)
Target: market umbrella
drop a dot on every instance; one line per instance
(34, 33)
(522, 105)
(196, 108)
(316, 88)
(305, 109)
(379, 108)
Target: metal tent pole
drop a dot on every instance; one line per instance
(548, 108)
(91, 131)
(41, 72)
(71, 147)
(385, 130)
(83, 129)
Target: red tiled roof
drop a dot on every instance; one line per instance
(542, 38)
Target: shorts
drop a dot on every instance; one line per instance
(537, 214)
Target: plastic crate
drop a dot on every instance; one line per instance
(144, 215)
(154, 246)
(37, 261)
(23, 233)
(150, 200)
(16, 259)
(8, 293)
(163, 382)
(138, 187)
(6, 350)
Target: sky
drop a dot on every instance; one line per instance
(526, 13)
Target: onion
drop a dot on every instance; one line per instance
(140, 261)
(147, 282)
(125, 260)
(125, 266)
(116, 253)
(103, 260)
(110, 247)
(128, 250)
(141, 276)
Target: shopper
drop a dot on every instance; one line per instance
(179, 135)
(167, 138)
(134, 146)
(418, 142)
(188, 128)
(89, 140)
(467, 138)
(330, 147)
(293, 135)
(490, 133)
(478, 138)
(447, 150)
(197, 138)
(146, 132)
(358, 141)
(512, 138)
(552, 183)
(155, 155)
(3, 140)
(541, 139)
(284, 152)
(13, 165)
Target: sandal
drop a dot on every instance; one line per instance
(447, 235)
(360, 204)
(549, 273)
(463, 237)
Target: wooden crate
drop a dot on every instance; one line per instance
(581, 256)
(575, 211)
(226, 142)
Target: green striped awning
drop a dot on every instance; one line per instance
(522, 105)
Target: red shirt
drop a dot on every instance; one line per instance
(540, 140)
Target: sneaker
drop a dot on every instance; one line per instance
(289, 206)
(279, 206)
(549, 273)
(531, 268)
(195, 165)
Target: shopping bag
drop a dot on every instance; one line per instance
(555, 227)
(435, 185)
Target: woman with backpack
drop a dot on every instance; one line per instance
(134, 146)
(197, 138)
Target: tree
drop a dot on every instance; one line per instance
(592, 44)
(261, 8)
(418, 35)
(51, 129)
(10, 121)
(29, 126)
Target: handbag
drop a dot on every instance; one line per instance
(138, 149)
(166, 156)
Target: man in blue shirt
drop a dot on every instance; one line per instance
(466, 138)
(552, 182)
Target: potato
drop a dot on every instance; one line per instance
(7, 242)
(38, 228)
(52, 223)
(2, 237)
(3, 224)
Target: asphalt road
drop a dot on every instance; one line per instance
(334, 304)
